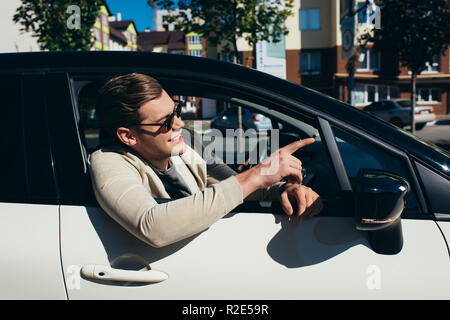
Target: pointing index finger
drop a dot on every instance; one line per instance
(294, 146)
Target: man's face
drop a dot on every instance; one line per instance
(156, 142)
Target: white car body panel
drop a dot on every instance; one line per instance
(260, 256)
(445, 228)
(30, 254)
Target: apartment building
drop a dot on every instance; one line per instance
(113, 33)
(314, 59)
(124, 29)
(195, 43)
(162, 41)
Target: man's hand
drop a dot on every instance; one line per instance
(277, 166)
(307, 202)
(282, 164)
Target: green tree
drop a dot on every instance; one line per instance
(58, 26)
(223, 22)
(416, 31)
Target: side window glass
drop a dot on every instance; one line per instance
(12, 161)
(88, 119)
(357, 153)
(39, 171)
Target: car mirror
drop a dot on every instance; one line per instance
(380, 199)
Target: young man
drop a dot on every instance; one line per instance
(147, 159)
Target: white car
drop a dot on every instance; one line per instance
(383, 233)
(398, 112)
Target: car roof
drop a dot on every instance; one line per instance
(401, 99)
(209, 70)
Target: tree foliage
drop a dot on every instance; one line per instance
(222, 22)
(47, 20)
(415, 30)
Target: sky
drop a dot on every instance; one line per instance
(137, 10)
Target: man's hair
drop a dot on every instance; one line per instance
(119, 100)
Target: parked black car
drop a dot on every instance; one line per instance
(229, 119)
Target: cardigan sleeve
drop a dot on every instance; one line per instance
(219, 171)
(120, 191)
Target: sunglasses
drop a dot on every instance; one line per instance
(169, 121)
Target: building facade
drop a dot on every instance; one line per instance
(315, 59)
(101, 31)
(124, 34)
(110, 32)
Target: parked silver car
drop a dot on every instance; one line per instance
(398, 112)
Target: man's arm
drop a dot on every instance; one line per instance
(120, 191)
(221, 171)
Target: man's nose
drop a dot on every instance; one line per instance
(177, 123)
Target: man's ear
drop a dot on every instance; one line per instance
(127, 136)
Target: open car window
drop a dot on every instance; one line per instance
(265, 128)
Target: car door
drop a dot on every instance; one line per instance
(256, 251)
(29, 217)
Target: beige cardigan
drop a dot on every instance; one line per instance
(126, 187)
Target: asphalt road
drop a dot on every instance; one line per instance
(437, 133)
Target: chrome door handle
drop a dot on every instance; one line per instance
(103, 272)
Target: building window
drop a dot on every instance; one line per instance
(196, 53)
(364, 94)
(104, 21)
(433, 66)
(310, 63)
(309, 19)
(224, 57)
(97, 35)
(105, 39)
(428, 95)
(194, 40)
(369, 60)
(365, 16)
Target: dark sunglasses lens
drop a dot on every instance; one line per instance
(169, 122)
